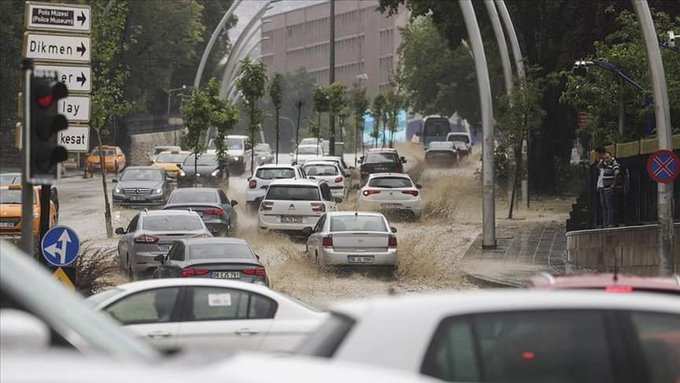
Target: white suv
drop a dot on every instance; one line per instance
(330, 172)
(294, 205)
(263, 176)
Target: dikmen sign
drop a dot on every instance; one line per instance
(60, 48)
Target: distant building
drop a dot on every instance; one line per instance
(366, 42)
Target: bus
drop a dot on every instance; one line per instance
(435, 128)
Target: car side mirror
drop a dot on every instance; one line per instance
(307, 231)
(393, 229)
(114, 180)
(233, 203)
(257, 256)
(419, 186)
(179, 166)
(403, 160)
(120, 231)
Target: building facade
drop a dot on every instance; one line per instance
(366, 42)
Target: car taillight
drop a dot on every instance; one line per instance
(146, 239)
(368, 192)
(252, 184)
(619, 289)
(256, 271)
(338, 179)
(266, 205)
(192, 272)
(327, 241)
(318, 207)
(213, 211)
(392, 241)
(411, 192)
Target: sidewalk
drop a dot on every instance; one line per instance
(523, 250)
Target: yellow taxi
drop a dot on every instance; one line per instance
(170, 161)
(10, 212)
(114, 159)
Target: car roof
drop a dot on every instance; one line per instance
(168, 212)
(169, 282)
(275, 166)
(238, 136)
(143, 168)
(346, 212)
(320, 162)
(603, 280)
(194, 190)
(382, 150)
(218, 240)
(379, 175)
(294, 182)
(309, 146)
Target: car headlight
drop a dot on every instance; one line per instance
(117, 190)
(237, 159)
(158, 191)
(181, 173)
(215, 173)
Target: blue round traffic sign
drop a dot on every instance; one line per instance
(663, 166)
(60, 246)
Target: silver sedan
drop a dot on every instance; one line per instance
(349, 238)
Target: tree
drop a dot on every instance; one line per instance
(321, 104)
(518, 113)
(336, 103)
(197, 110)
(359, 108)
(394, 103)
(275, 89)
(377, 112)
(251, 82)
(223, 116)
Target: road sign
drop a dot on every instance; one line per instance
(62, 277)
(75, 138)
(78, 79)
(663, 166)
(58, 17)
(75, 108)
(60, 246)
(62, 48)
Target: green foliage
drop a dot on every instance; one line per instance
(276, 89)
(223, 116)
(321, 99)
(394, 102)
(251, 82)
(519, 112)
(359, 104)
(377, 112)
(336, 97)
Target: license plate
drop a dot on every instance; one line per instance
(360, 259)
(390, 205)
(6, 224)
(291, 219)
(164, 248)
(136, 198)
(225, 275)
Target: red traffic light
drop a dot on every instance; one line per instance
(45, 101)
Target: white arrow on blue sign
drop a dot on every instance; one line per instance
(60, 246)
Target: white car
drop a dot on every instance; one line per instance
(391, 192)
(510, 336)
(209, 315)
(331, 173)
(347, 238)
(294, 205)
(305, 153)
(263, 176)
(461, 141)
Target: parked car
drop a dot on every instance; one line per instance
(608, 282)
(209, 315)
(263, 154)
(305, 153)
(461, 141)
(441, 152)
(380, 161)
(10, 213)
(293, 205)
(114, 160)
(263, 176)
(170, 162)
(330, 173)
(158, 149)
(203, 169)
(347, 238)
(14, 178)
(141, 185)
(219, 258)
(150, 234)
(510, 336)
(391, 192)
(211, 204)
(239, 149)
(55, 320)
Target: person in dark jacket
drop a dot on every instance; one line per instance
(608, 173)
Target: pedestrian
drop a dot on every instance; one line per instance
(608, 173)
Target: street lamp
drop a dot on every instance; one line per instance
(170, 92)
(233, 73)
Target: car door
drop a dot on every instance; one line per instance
(125, 241)
(150, 314)
(314, 240)
(217, 319)
(327, 197)
(226, 206)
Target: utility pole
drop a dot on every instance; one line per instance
(26, 188)
(297, 128)
(331, 76)
(663, 131)
(482, 71)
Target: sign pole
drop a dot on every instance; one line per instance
(26, 188)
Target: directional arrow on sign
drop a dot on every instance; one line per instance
(81, 49)
(76, 78)
(60, 48)
(82, 18)
(55, 250)
(81, 79)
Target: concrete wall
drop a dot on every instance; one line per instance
(635, 247)
(142, 144)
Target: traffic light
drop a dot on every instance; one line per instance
(45, 123)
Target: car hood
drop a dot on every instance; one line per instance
(202, 169)
(10, 210)
(235, 152)
(140, 184)
(441, 145)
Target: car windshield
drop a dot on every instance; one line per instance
(390, 182)
(293, 193)
(8, 179)
(308, 150)
(275, 173)
(176, 158)
(168, 222)
(459, 138)
(321, 170)
(203, 160)
(308, 141)
(193, 196)
(219, 251)
(106, 152)
(96, 299)
(263, 148)
(142, 175)
(8, 196)
(234, 144)
(358, 223)
(381, 158)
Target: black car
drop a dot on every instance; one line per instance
(380, 161)
(143, 185)
(263, 154)
(219, 258)
(212, 204)
(203, 169)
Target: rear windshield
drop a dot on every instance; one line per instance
(220, 250)
(193, 196)
(358, 223)
(95, 300)
(391, 182)
(275, 173)
(379, 158)
(172, 223)
(7, 179)
(10, 196)
(171, 157)
(142, 175)
(460, 138)
(321, 170)
(293, 193)
(308, 141)
(234, 143)
(203, 159)
(308, 150)
(328, 337)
